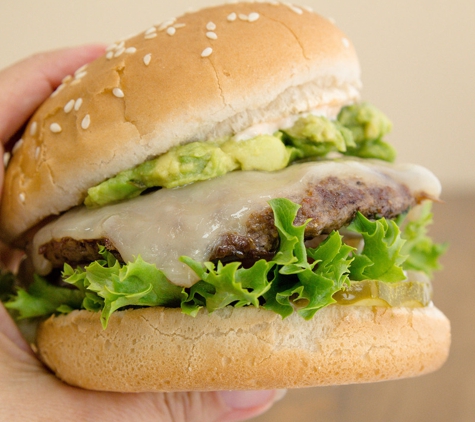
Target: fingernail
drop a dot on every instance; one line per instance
(240, 400)
(279, 395)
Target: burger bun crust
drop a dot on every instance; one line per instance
(158, 349)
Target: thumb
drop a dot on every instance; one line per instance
(180, 407)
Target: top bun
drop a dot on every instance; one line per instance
(201, 76)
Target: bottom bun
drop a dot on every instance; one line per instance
(157, 349)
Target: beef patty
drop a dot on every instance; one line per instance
(331, 205)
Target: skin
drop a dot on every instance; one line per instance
(28, 391)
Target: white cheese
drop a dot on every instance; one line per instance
(169, 223)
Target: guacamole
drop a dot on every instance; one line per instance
(357, 131)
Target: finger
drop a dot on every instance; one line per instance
(26, 84)
(226, 406)
(9, 330)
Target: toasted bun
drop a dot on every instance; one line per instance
(156, 90)
(158, 349)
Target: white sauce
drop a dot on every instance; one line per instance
(169, 223)
(268, 128)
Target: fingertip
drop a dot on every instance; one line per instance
(28, 83)
(243, 405)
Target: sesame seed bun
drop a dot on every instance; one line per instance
(159, 349)
(201, 76)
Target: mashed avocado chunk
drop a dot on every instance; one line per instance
(368, 125)
(358, 131)
(316, 136)
(264, 153)
(179, 166)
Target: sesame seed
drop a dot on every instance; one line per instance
(166, 24)
(118, 92)
(345, 42)
(293, 8)
(151, 30)
(66, 79)
(37, 152)
(210, 26)
(150, 36)
(78, 104)
(179, 25)
(17, 146)
(119, 52)
(147, 59)
(120, 45)
(57, 90)
(297, 10)
(80, 75)
(206, 52)
(86, 121)
(171, 30)
(242, 16)
(109, 55)
(81, 69)
(231, 17)
(253, 16)
(130, 50)
(212, 35)
(22, 197)
(55, 128)
(111, 47)
(6, 159)
(33, 128)
(69, 106)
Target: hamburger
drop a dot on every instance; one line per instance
(211, 206)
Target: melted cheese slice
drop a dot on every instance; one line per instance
(169, 223)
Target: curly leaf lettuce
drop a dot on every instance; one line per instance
(422, 252)
(311, 287)
(42, 299)
(381, 257)
(298, 279)
(223, 285)
(108, 285)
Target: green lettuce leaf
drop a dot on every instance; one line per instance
(43, 299)
(292, 254)
(108, 285)
(422, 252)
(311, 286)
(381, 257)
(223, 285)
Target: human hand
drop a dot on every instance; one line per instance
(28, 391)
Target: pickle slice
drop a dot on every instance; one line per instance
(413, 292)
